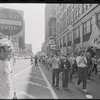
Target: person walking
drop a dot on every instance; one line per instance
(72, 58)
(36, 60)
(82, 70)
(55, 70)
(31, 60)
(65, 66)
(98, 67)
(7, 85)
(89, 64)
(94, 60)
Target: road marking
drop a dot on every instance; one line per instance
(26, 94)
(48, 84)
(30, 76)
(37, 73)
(28, 82)
(89, 96)
(22, 71)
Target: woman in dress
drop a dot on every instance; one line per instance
(6, 75)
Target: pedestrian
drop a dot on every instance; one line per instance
(36, 60)
(89, 64)
(65, 66)
(82, 70)
(98, 67)
(31, 60)
(7, 86)
(72, 58)
(14, 61)
(94, 60)
(55, 70)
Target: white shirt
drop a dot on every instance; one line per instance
(55, 62)
(80, 59)
(72, 59)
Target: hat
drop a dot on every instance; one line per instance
(6, 42)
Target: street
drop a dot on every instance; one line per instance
(35, 82)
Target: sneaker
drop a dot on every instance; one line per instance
(67, 88)
(84, 90)
(57, 88)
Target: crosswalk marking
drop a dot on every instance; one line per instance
(31, 77)
(28, 82)
(37, 73)
(22, 71)
(26, 94)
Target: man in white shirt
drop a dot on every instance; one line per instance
(55, 71)
(82, 69)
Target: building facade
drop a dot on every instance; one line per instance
(28, 49)
(50, 27)
(74, 25)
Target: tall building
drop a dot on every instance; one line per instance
(74, 25)
(50, 26)
(28, 49)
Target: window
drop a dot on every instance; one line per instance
(60, 43)
(98, 20)
(64, 25)
(88, 6)
(84, 28)
(77, 33)
(64, 16)
(84, 7)
(64, 6)
(64, 41)
(78, 12)
(87, 27)
(69, 37)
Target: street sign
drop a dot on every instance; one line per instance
(53, 47)
(11, 22)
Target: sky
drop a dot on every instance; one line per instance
(34, 17)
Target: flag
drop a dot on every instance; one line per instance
(95, 38)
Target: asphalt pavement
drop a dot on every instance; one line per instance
(31, 82)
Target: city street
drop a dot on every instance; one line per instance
(34, 82)
(31, 82)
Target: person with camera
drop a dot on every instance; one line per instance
(55, 70)
(65, 66)
(82, 70)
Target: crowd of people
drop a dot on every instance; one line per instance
(82, 65)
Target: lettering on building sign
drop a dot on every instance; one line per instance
(97, 40)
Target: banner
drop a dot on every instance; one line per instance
(95, 38)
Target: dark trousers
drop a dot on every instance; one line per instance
(89, 71)
(82, 75)
(94, 68)
(65, 78)
(73, 69)
(55, 77)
